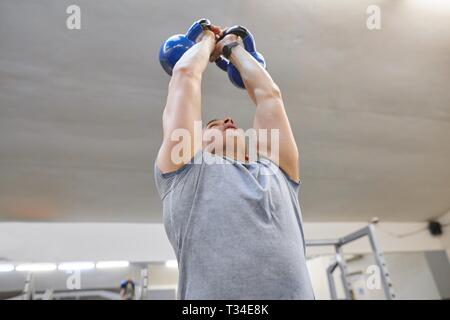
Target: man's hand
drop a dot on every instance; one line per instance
(226, 40)
(215, 33)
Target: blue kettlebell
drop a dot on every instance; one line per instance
(173, 48)
(249, 45)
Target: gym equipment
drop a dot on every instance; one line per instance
(174, 47)
(368, 231)
(30, 292)
(144, 283)
(249, 45)
(29, 289)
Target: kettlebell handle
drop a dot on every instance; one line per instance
(244, 34)
(197, 29)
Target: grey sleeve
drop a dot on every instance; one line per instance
(294, 186)
(166, 181)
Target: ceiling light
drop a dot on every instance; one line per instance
(171, 264)
(6, 267)
(70, 266)
(112, 264)
(36, 267)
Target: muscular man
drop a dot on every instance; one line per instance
(235, 225)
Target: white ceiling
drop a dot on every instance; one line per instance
(80, 111)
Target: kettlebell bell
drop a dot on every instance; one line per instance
(173, 48)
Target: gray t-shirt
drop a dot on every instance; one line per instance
(236, 230)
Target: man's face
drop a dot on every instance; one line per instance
(232, 137)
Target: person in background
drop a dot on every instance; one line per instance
(127, 289)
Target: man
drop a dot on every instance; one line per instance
(235, 225)
(127, 289)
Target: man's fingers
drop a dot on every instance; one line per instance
(216, 29)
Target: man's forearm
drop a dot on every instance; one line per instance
(183, 105)
(195, 60)
(257, 80)
(184, 98)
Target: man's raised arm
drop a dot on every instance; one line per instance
(270, 112)
(183, 105)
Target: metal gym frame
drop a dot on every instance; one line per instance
(29, 291)
(340, 263)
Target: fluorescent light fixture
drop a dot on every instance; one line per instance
(70, 266)
(171, 264)
(6, 267)
(36, 267)
(112, 264)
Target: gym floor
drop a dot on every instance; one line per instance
(365, 86)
